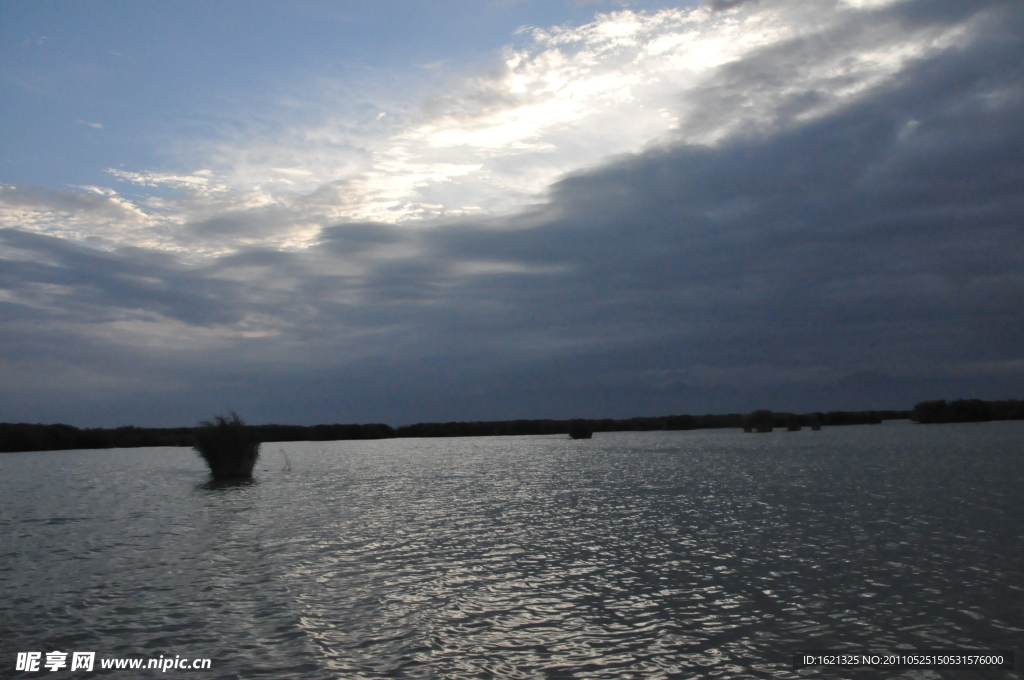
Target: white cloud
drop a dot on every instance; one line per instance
(869, 4)
(91, 215)
(569, 99)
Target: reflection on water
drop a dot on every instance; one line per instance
(225, 484)
(663, 554)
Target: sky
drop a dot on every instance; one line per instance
(334, 212)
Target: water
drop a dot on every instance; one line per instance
(632, 555)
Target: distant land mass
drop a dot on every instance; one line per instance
(18, 437)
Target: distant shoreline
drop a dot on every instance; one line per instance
(22, 437)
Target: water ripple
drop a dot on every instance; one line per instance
(654, 555)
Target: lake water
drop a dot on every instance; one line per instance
(632, 555)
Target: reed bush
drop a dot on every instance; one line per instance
(229, 449)
(580, 429)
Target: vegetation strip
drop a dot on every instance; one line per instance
(36, 437)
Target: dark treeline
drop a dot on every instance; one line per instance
(520, 427)
(967, 411)
(766, 421)
(29, 437)
(319, 433)
(849, 417)
(642, 424)
(35, 437)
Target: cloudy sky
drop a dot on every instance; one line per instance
(406, 211)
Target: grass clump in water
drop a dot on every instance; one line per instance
(228, 448)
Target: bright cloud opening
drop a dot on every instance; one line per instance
(569, 99)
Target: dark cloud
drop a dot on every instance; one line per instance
(253, 223)
(96, 205)
(95, 286)
(869, 257)
(722, 5)
(357, 237)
